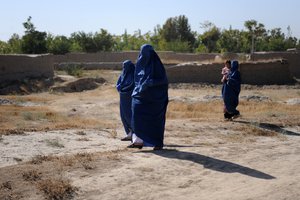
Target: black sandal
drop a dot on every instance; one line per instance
(139, 146)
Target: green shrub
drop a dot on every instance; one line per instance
(74, 70)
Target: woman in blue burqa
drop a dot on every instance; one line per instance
(125, 86)
(231, 90)
(149, 100)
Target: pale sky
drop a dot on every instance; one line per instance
(63, 17)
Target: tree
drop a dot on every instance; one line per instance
(230, 41)
(276, 40)
(210, 36)
(33, 42)
(256, 32)
(91, 43)
(290, 41)
(15, 43)
(155, 37)
(176, 32)
(4, 48)
(103, 40)
(59, 45)
(84, 41)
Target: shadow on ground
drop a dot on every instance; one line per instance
(210, 163)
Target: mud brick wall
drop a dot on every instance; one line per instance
(195, 73)
(258, 73)
(18, 67)
(264, 68)
(293, 58)
(114, 60)
(266, 73)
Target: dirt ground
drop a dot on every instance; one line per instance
(58, 145)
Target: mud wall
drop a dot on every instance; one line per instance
(131, 55)
(19, 67)
(263, 68)
(255, 73)
(195, 73)
(293, 58)
(261, 73)
(113, 60)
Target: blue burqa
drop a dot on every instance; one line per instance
(149, 98)
(125, 86)
(231, 89)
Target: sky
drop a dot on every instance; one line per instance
(63, 17)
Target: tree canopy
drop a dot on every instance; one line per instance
(174, 35)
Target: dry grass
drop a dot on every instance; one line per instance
(273, 112)
(6, 186)
(247, 134)
(252, 130)
(31, 175)
(111, 76)
(17, 119)
(204, 110)
(83, 159)
(54, 143)
(35, 99)
(44, 175)
(20, 117)
(41, 158)
(57, 189)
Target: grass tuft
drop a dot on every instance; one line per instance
(31, 175)
(57, 189)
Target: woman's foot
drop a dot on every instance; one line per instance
(136, 145)
(235, 116)
(127, 138)
(227, 115)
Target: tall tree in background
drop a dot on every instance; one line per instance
(176, 35)
(4, 48)
(210, 36)
(155, 37)
(58, 44)
(230, 41)
(33, 42)
(256, 33)
(91, 43)
(290, 41)
(276, 40)
(84, 41)
(15, 42)
(103, 40)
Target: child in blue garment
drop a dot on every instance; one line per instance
(125, 86)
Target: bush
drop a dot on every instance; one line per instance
(74, 70)
(60, 45)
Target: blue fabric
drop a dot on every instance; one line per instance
(231, 89)
(125, 86)
(149, 98)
